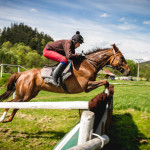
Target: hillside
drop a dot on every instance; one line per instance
(145, 70)
(145, 63)
(20, 33)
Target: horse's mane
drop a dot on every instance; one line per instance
(95, 50)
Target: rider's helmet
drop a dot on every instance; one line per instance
(77, 38)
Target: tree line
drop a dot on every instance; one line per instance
(20, 44)
(20, 33)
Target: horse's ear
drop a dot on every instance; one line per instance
(115, 47)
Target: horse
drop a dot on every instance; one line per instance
(83, 79)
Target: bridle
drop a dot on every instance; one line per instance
(115, 55)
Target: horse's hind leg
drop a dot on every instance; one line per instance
(26, 98)
(4, 115)
(2, 119)
(11, 116)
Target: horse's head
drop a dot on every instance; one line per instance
(118, 61)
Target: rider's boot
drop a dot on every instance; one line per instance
(57, 73)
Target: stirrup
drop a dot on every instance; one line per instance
(55, 83)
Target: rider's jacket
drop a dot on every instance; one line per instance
(63, 47)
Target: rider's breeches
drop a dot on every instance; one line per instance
(50, 54)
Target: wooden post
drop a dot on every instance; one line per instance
(87, 121)
(93, 144)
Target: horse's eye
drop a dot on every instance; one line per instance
(122, 58)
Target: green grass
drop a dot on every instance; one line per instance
(4, 79)
(130, 130)
(42, 129)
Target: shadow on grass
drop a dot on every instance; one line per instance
(39, 135)
(124, 134)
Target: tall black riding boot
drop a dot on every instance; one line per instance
(57, 73)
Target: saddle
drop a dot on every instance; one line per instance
(47, 71)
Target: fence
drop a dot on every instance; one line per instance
(81, 136)
(12, 66)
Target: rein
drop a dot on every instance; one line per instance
(90, 60)
(117, 67)
(114, 53)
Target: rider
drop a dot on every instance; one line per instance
(62, 50)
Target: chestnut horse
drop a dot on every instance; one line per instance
(29, 83)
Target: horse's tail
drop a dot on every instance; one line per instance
(10, 86)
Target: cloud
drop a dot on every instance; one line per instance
(33, 10)
(126, 26)
(96, 34)
(104, 15)
(146, 22)
(122, 19)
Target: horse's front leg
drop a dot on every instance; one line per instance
(95, 84)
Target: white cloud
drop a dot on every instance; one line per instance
(33, 10)
(104, 15)
(126, 26)
(122, 19)
(60, 26)
(146, 22)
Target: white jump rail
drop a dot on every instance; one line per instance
(45, 105)
(86, 141)
(11, 66)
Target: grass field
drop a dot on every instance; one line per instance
(42, 129)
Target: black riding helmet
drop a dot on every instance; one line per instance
(77, 38)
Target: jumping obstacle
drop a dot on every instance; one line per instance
(84, 136)
(81, 137)
(45, 105)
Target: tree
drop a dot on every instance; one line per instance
(21, 51)
(6, 45)
(7, 55)
(133, 67)
(145, 71)
(33, 60)
(20, 33)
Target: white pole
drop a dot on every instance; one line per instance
(138, 70)
(18, 68)
(45, 105)
(1, 70)
(86, 126)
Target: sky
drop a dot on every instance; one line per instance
(101, 22)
